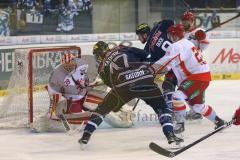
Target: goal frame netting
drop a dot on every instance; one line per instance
(30, 73)
(29, 87)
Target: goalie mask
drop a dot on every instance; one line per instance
(68, 62)
(99, 50)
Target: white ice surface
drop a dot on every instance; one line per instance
(132, 144)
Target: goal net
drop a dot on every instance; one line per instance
(26, 96)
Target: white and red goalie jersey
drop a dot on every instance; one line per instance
(185, 61)
(72, 86)
(198, 37)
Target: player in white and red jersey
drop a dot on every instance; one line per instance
(196, 35)
(199, 38)
(192, 72)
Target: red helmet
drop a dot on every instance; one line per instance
(176, 30)
(67, 57)
(187, 16)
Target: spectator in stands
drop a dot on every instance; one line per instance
(213, 3)
(238, 4)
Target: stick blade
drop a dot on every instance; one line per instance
(158, 149)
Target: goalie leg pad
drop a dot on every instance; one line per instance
(61, 107)
(43, 123)
(120, 119)
(54, 100)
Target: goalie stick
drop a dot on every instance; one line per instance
(212, 28)
(65, 123)
(67, 126)
(158, 149)
(186, 5)
(135, 105)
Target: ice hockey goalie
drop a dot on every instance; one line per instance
(69, 94)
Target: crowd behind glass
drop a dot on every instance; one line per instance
(34, 17)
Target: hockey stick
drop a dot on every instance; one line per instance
(220, 24)
(158, 149)
(187, 5)
(135, 105)
(65, 123)
(64, 120)
(67, 126)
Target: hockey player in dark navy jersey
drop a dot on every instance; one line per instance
(156, 44)
(156, 39)
(122, 69)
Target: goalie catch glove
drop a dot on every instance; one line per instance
(54, 100)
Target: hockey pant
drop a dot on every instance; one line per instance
(193, 93)
(117, 97)
(118, 119)
(72, 109)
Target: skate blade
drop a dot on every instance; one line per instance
(181, 135)
(176, 145)
(83, 146)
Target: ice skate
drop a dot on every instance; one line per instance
(172, 138)
(218, 122)
(84, 140)
(191, 115)
(178, 128)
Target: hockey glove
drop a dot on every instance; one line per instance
(237, 117)
(200, 35)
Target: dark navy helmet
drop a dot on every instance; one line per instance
(143, 28)
(100, 49)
